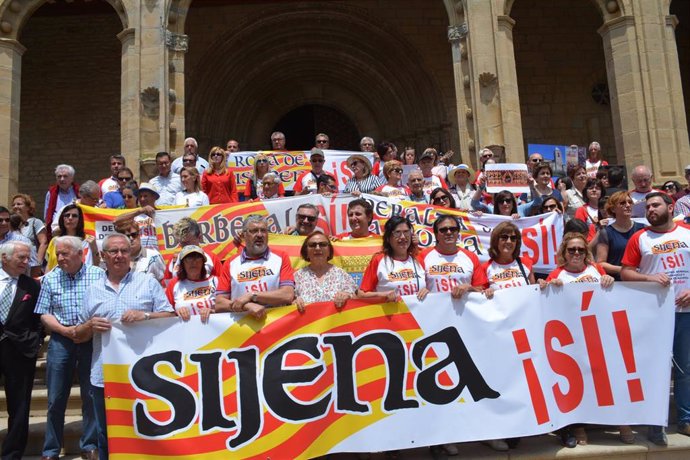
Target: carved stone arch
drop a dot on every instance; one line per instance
(14, 15)
(356, 57)
(608, 9)
(455, 10)
(177, 15)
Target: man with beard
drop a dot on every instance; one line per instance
(659, 253)
(258, 277)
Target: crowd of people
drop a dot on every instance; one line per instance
(55, 279)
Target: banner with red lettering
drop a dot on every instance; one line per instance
(290, 164)
(383, 376)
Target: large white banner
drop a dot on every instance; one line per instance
(377, 377)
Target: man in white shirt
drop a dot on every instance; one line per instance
(167, 183)
(109, 184)
(190, 147)
(642, 178)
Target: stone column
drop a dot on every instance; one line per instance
(463, 95)
(129, 99)
(646, 96)
(11, 52)
(177, 44)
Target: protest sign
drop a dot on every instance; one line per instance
(507, 176)
(383, 376)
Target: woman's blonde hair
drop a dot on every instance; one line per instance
(195, 174)
(223, 164)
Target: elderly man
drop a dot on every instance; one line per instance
(120, 295)
(322, 141)
(89, 194)
(232, 146)
(305, 220)
(20, 340)
(642, 179)
(485, 155)
(166, 183)
(306, 182)
(657, 254)
(367, 144)
(258, 277)
(64, 192)
(594, 161)
(109, 184)
(533, 160)
(61, 298)
(415, 182)
(278, 141)
(190, 148)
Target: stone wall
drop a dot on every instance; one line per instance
(70, 98)
(559, 59)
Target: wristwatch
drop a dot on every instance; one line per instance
(255, 296)
(147, 316)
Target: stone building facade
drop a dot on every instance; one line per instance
(83, 79)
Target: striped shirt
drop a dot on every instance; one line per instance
(137, 291)
(62, 294)
(366, 185)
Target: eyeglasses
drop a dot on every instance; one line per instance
(579, 250)
(415, 180)
(439, 199)
(317, 244)
(268, 184)
(322, 141)
(669, 186)
(445, 230)
(188, 160)
(508, 237)
(70, 216)
(124, 179)
(261, 162)
(317, 160)
(401, 234)
(305, 217)
(132, 236)
(550, 207)
(217, 154)
(505, 201)
(128, 197)
(396, 170)
(536, 160)
(114, 252)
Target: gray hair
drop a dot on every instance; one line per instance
(366, 138)
(112, 236)
(72, 241)
(89, 187)
(63, 167)
(415, 171)
(322, 135)
(196, 144)
(594, 144)
(253, 219)
(186, 226)
(308, 206)
(7, 248)
(640, 170)
(273, 175)
(277, 133)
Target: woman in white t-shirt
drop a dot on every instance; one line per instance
(576, 264)
(191, 195)
(192, 291)
(505, 268)
(393, 188)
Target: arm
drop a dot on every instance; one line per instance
(124, 217)
(131, 316)
(601, 254)
(281, 296)
(42, 238)
(51, 324)
(629, 273)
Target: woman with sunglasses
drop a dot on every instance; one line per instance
(130, 194)
(254, 187)
(217, 181)
(393, 188)
(550, 204)
(395, 271)
(612, 239)
(442, 197)
(362, 180)
(673, 188)
(71, 223)
(320, 280)
(504, 203)
(505, 268)
(191, 194)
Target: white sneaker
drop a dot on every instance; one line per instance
(450, 449)
(497, 444)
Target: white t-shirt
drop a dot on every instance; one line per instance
(445, 271)
(502, 276)
(383, 274)
(591, 274)
(268, 273)
(191, 199)
(193, 294)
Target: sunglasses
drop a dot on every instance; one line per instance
(536, 160)
(4, 220)
(354, 163)
(124, 179)
(216, 154)
(317, 160)
(505, 201)
(397, 170)
(317, 244)
(508, 237)
(261, 162)
(438, 199)
(132, 236)
(128, 197)
(188, 161)
(307, 218)
(322, 141)
(573, 251)
(669, 186)
(550, 207)
(445, 230)
(268, 184)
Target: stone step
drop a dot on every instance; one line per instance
(34, 445)
(39, 402)
(603, 443)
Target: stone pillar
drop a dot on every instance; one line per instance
(11, 52)
(646, 96)
(177, 44)
(456, 36)
(129, 99)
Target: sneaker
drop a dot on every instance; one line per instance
(626, 434)
(497, 444)
(684, 428)
(657, 436)
(567, 439)
(450, 449)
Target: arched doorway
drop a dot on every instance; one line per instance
(301, 125)
(561, 74)
(70, 93)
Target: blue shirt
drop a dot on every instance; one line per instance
(114, 200)
(137, 291)
(62, 294)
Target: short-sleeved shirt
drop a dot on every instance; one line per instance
(400, 192)
(307, 181)
(31, 229)
(167, 187)
(311, 289)
(147, 231)
(384, 273)
(149, 261)
(639, 202)
(266, 273)
(109, 184)
(502, 276)
(191, 199)
(445, 271)
(62, 294)
(114, 200)
(591, 274)
(593, 168)
(432, 182)
(193, 295)
(136, 291)
(653, 252)
(212, 264)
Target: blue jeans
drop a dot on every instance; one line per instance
(98, 398)
(681, 369)
(63, 356)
